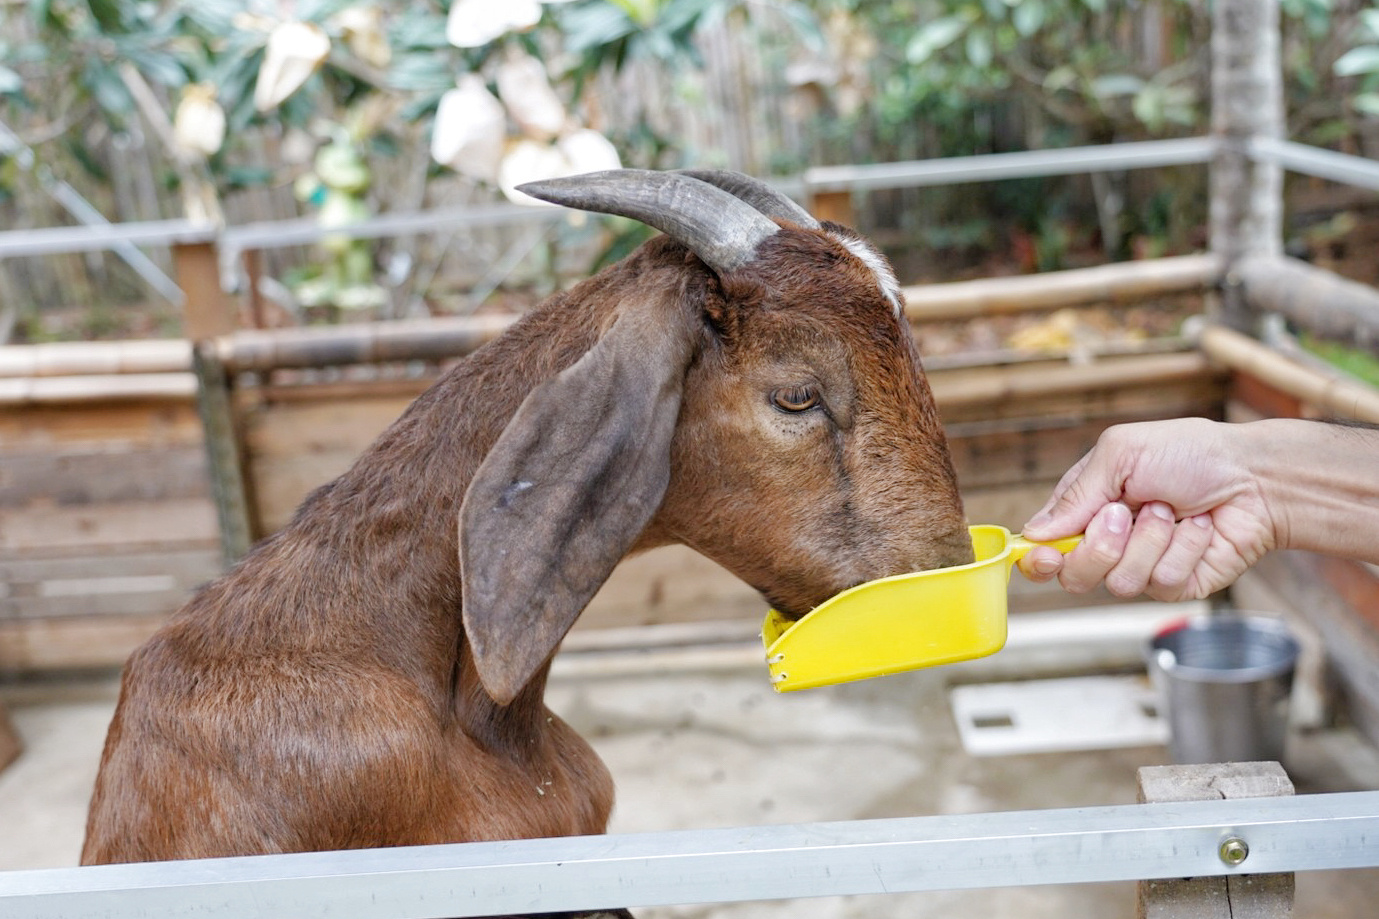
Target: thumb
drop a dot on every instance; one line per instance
(1084, 489)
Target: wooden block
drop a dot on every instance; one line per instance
(1259, 896)
(10, 747)
(1212, 782)
(209, 311)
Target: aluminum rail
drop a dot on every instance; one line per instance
(1079, 845)
(1313, 161)
(300, 231)
(943, 171)
(1023, 164)
(60, 240)
(269, 234)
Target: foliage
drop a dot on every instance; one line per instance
(1357, 362)
(885, 80)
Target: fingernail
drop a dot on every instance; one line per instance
(1162, 511)
(1039, 520)
(1118, 519)
(1046, 566)
(1203, 521)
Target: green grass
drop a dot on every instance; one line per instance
(1354, 361)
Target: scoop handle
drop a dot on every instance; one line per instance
(1019, 546)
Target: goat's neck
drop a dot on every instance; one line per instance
(390, 523)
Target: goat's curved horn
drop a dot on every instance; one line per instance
(716, 226)
(761, 196)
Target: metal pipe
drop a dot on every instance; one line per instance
(1313, 161)
(1019, 165)
(1069, 846)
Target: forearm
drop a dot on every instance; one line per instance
(1320, 483)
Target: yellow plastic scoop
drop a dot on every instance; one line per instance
(903, 622)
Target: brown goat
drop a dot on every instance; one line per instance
(372, 675)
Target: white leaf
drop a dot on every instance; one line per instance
(294, 51)
(199, 122)
(365, 34)
(589, 151)
(473, 23)
(530, 100)
(470, 130)
(529, 161)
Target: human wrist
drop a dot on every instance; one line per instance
(1319, 484)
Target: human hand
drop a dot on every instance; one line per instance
(1170, 509)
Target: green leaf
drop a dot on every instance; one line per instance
(1366, 103)
(593, 27)
(979, 49)
(1116, 84)
(1364, 59)
(934, 37)
(428, 73)
(160, 68)
(1028, 17)
(1369, 21)
(107, 89)
(10, 82)
(1148, 107)
(108, 15)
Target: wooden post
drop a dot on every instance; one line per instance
(1246, 102)
(224, 453)
(210, 314)
(833, 205)
(10, 748)
(209, 311)
(1257, 896)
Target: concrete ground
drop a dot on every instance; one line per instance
(696, 738)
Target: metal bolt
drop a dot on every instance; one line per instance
(1233, 850)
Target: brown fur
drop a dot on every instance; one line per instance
(331, 692)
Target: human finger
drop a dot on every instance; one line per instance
(1101, 548)
(1040, 564)
(1150, 537)
(1172, 576)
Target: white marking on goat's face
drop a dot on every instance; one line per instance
(876, 262)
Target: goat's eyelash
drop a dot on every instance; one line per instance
(795, 398)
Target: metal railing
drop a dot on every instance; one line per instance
(1016, 849)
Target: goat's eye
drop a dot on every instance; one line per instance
(795, 398)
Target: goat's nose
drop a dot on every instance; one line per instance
(953, 548)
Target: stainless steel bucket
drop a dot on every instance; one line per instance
(1225, 681)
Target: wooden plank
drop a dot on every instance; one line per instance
(125, 424)
(1015, 451)
(295, 447)
(1122, 282)
(137, 387)
(1331, 395)
(109, 585)
(86, 475)
(182, 522)
(997, 385)
(317, 428)
(73, 643)
(72, 358)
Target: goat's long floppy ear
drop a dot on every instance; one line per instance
(566, 490)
